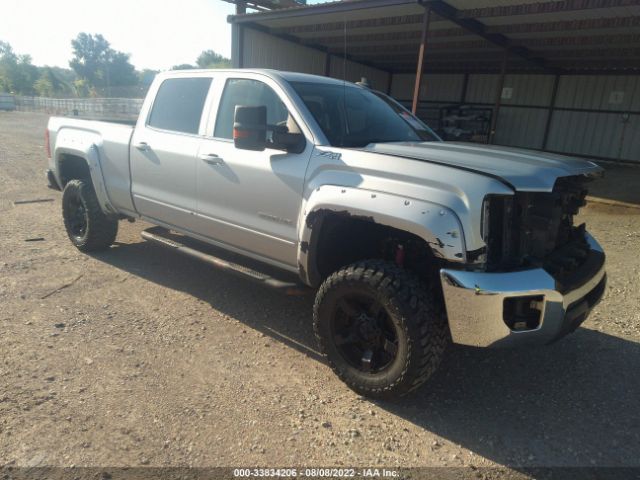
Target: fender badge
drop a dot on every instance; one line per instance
(331, 155)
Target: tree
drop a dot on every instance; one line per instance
(211, 59)
(17, 73)
(95, 62)
(183, 66)
(49, 85)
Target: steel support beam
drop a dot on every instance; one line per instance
(452, 14)
(420, 68)
(496, 107)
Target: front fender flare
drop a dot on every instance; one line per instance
(435, 224)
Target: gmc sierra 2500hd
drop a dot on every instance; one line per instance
(411, 242)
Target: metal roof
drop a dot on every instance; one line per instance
(467, 35)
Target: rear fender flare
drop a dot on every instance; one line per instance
(89, 152)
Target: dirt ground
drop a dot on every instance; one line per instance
(137, 356)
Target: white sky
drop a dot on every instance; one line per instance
(157, 34)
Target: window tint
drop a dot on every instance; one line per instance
(248, 93)
(354, 117)
(179, 103)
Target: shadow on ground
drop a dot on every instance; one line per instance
(574, 403)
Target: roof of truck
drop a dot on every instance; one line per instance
(287, 76)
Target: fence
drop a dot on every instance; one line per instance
(96, 108)
(7, 102)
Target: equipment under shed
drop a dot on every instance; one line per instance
(561, 76)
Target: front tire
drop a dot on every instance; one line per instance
(382, 330)
(89, 229)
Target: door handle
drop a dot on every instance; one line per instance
(142, 146)
(211, 159)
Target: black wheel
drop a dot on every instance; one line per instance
(89, 229)
(382, 330)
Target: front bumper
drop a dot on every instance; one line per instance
(477, 302)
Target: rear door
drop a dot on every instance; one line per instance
(164, 149)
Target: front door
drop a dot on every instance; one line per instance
(246, 199)
(164, 150)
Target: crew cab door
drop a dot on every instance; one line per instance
(250, 199)
(164, 147)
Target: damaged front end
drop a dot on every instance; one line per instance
(536, 229)
(541, 274)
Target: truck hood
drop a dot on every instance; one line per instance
(525, 170)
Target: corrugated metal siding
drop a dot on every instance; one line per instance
(586, 133)
(261, 50)
(599, 92)
(527, 89)
(521, 127)
(378, 79)
(524, 89)
(435, 87)
(482, 88)
(631, 143)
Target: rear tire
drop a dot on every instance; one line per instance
(89, 229)
(382, 330)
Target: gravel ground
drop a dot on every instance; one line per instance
(141, 357)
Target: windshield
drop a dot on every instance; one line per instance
(354, 117)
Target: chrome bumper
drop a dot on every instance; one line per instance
(475, 304)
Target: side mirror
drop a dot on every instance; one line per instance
(250, 128)
(289, 142)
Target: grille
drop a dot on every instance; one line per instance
(537, 229)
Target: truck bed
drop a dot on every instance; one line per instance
(111, 138)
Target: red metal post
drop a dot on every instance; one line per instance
(423, 47)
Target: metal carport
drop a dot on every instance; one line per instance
(561, 76)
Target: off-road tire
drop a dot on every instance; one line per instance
(416, 309)
(100, 231)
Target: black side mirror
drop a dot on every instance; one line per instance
(289, 142)
(250, 128)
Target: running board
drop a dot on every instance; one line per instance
(160, 236)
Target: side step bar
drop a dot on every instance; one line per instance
(158, 236)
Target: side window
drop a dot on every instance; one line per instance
(179, 103)
(248, 93)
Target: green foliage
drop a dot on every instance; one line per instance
(146, 76)
(17, 73)
(183, 66)
(96, 70)
(211, 59)
(95, 62)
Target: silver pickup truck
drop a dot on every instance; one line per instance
(411, 242)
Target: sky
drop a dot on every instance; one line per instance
(157, 34)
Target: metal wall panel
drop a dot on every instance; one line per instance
(521, 127)
(261, 50)
(435, 87)
(482, 88)
(378, 79)
(527, 90)
(600, 92)
(597, 134)
(517, 89)
(631, 141)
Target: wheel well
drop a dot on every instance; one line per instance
(72, 167)
(342, 239)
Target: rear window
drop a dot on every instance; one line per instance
(179, 103)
